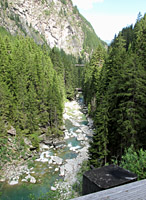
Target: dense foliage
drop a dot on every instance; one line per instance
(134, 162)
(66, 70)
(119, 91)
(34, 81)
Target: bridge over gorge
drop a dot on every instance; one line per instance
(80, 65)
(78, 89)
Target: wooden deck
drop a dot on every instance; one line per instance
(131, 191)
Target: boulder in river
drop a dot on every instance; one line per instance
(24, 180)
(44, 157)
(80, 137)
(53, 188)
(75, 148)
(78, 131)
(62, 172)
(30, 178)
(66, 135)
(57, 160)
(56, 169)
(14, 181)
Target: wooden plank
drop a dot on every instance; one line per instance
(131, 191)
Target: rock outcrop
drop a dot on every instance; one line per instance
(57, 22)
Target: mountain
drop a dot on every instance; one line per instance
(108, 41)
(57, 22)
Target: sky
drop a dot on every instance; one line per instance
(108, 17)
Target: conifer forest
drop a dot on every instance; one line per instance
(115, 89)
(36, 80)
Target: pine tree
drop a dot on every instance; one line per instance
(120, 114)
(92, 75)
(98, 150)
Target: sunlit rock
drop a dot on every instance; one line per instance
(75, 148)
(43, 146)
(30, 179)
(14, 181)
(57, 160)
(56, 169)
(66, 133)
(2, 179)
(78, 131)
(53, 188)
(80, 137)
(44, 157)
(24, 180)
(62, 172)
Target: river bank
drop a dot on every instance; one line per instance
(62, 161)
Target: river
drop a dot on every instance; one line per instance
(53, 164)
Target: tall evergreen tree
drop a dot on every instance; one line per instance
(92, 75)
(120, 117)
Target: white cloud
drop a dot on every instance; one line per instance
(86, 4)
(106, 26)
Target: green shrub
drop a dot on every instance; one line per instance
(75, 10)
(35, 140)
(135, 162)
(56, 131)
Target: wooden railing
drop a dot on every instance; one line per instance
(130, 191)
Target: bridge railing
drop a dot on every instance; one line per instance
(130, 191)
(79, 65)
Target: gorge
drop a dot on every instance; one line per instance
(45, 134)
(53, 164)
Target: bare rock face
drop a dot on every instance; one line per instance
(52, 20)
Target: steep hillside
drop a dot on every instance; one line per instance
(116, 96)
(57, 22)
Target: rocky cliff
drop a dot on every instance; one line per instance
(57, 22)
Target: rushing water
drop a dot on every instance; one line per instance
(45, 175)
